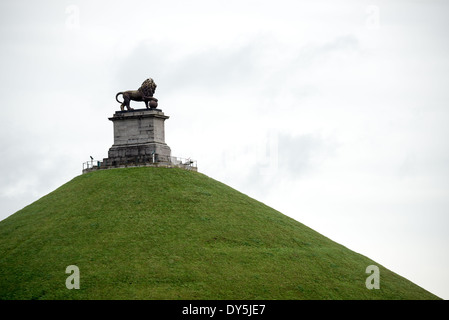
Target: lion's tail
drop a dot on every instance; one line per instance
(116, 97)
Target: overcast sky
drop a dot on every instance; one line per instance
(333, 112)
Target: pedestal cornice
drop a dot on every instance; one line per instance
(139, 114)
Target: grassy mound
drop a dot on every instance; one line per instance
(159, 233)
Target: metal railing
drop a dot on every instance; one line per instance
(186, 163)
(91, 164)
(183, 162)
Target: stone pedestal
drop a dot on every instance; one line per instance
(139, 137)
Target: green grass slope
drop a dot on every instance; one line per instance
(159, 233)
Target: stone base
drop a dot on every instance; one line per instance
(139, 141)
(141, 153)
(139, 138)
(137, 127)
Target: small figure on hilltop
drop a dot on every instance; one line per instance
(144, 93)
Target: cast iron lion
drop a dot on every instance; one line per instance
(144, 93)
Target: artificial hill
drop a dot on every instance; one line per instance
(161, 233)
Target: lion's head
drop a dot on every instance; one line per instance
(148, 88)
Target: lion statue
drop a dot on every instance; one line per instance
(144, 93)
